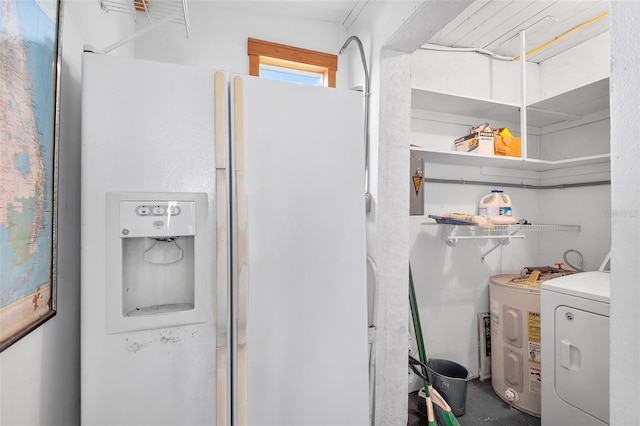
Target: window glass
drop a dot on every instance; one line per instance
(290, 74)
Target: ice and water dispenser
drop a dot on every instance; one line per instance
(156, 247)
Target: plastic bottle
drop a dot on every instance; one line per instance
(495, 204)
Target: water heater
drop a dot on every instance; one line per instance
(155, 259)
(516, 341)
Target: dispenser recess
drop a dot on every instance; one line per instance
(154, 248)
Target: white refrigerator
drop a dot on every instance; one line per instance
(223, 249)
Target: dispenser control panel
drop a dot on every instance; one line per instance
(157, 218)
(158, 210)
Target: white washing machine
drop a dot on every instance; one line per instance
(575, 341)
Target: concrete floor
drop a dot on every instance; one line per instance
(483, 407)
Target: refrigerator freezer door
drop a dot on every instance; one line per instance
(300, 274)
(142, 132)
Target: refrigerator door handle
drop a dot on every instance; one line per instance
(242, 292)
(222, 250)
(241, 281)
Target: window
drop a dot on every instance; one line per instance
(282, 62)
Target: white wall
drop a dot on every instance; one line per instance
(40, 374)
(625, 274)
(589, 207)
(471, 74)
(585, 63)
(219, 32)
(581, 65)
(592, 137)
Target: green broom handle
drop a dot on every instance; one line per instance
(416, 326)
(449, 418)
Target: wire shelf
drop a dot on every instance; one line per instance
(501, 233)
(470, 230)
(173, 11)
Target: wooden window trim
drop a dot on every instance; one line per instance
(266, 52)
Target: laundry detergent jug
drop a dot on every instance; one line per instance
(495, 204)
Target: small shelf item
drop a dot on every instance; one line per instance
(503, 234)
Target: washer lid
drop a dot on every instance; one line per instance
(595, 285)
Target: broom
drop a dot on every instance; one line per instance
(431, 418)
(449, 418)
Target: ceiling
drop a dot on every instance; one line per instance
(495, 25)
(492, 25)
(338, 11)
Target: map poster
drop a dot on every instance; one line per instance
(29, 58)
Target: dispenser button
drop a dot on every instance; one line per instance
(174, 210)
(143, 210)
(158, 210)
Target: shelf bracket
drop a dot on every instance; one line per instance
(451, 240)
(503, 241)
(502, 233)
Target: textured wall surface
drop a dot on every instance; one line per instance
(625, 157)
